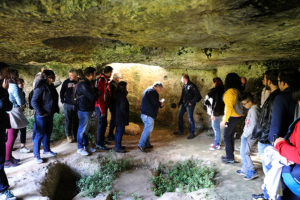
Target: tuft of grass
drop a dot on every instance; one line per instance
(187, 176)
(103, 177)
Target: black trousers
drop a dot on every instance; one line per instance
(112, 124)
(3, 179)
(229, 136)
(23, 135)
(71, 118)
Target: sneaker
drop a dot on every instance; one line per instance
(98, 147)
(258, 197)
(8, 164)
(215, 147)
(241, 173)
(120, 151)
(90, 149)
(83, 152)
(191, 136)
(24, 150)
(49, 154)
(252, 174)
(178, 133)
(142, 149)
(7, 195)
(227, 161)
(38, 160)
(70, 139)
(107, 143)
(213, 144)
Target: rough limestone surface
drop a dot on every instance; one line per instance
(172, 33)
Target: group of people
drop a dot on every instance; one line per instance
(82, 95)
(267, 124)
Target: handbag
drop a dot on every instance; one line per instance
(17, 118)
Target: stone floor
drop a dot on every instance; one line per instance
(27, 180)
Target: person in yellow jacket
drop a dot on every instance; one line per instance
(231, 118)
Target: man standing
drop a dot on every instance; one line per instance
(149, 109)
(112, 107)
(102, 86)
(70, 108)
(284, 106)
(86, 95)
(265, 91)
(189, 97)
(5, 105)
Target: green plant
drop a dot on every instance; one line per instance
(188, 176)
(116, 195)
(135, 196)
(103, 177)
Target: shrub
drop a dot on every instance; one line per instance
(103, 177)
(188, 176)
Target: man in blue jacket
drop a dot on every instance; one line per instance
(149, 109)
(189, 97)
(284, 105)
(5, 105)
(86, 95)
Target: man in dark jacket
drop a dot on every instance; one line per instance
(86, 95)
(189, 97)
(122, 115)
(101, 105)
(70, 107)
(149, 109)
(284, 105)
(264, 120)
(112, 104)
(5, 105)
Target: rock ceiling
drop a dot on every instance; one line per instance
(216, 31)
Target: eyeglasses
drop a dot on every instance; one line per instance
(245, 103)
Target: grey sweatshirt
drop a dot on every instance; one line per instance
(251, 121)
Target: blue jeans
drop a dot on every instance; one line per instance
(216, 127)
(246, 144)
(261, 148)
(190, 112)
(43, 131)
(3, 179)
(102, 124)
(118, 138)
(82, 134)
(148, 128)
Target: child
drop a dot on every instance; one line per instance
(247, 169)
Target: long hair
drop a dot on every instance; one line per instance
(233, 80)
(218, 82)
(13, 76)
(47, 73)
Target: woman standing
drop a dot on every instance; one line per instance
(215, 108)
(45, 103)
(17, 117)
(232, 117)
(122, 115)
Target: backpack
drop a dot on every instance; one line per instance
(75, 97)
(238, 107)
(29, 99)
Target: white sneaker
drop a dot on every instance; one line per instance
(39, 160)
(211, 145)
(90, 149)
(83, 152)
(24, 150)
